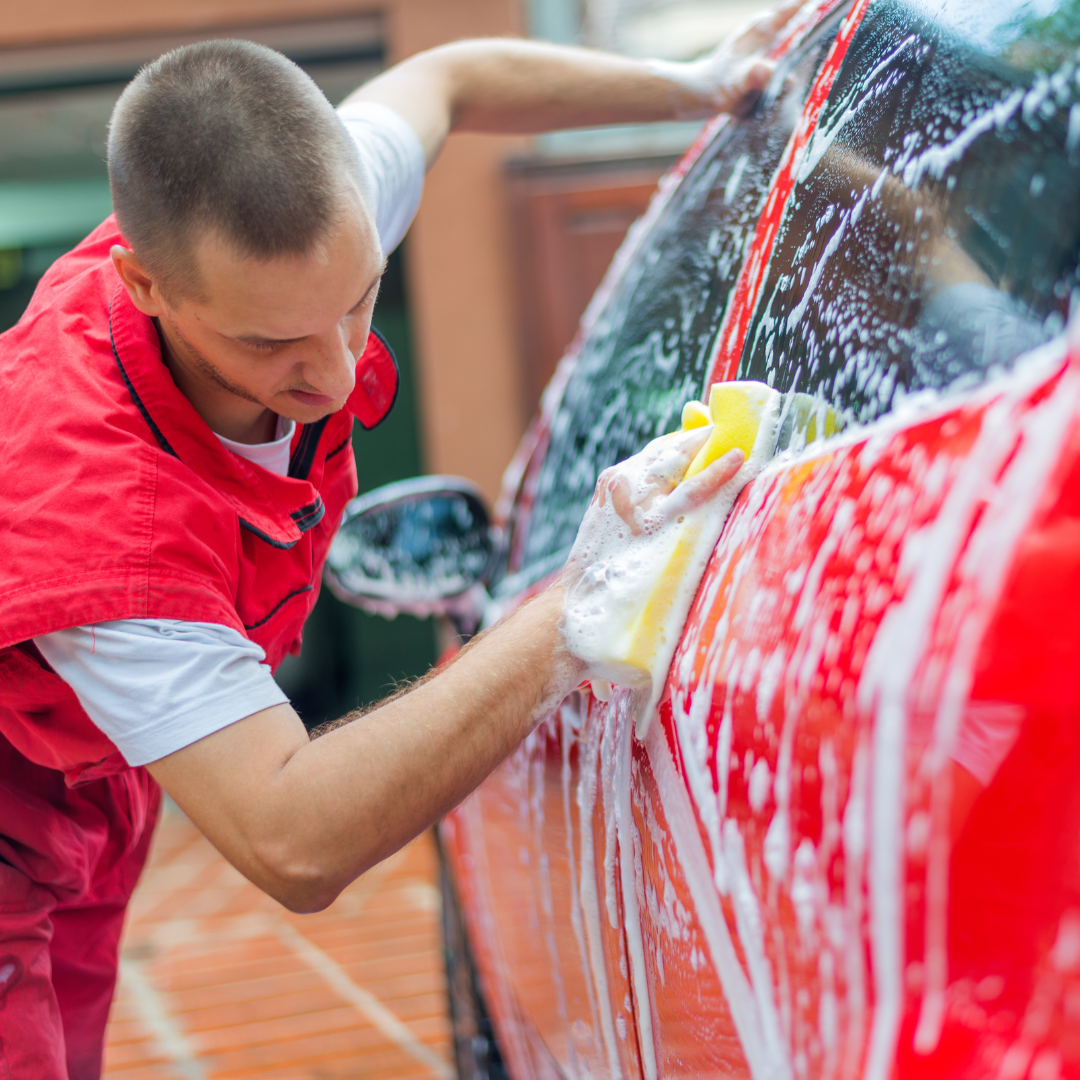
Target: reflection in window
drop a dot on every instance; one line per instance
(652, 345)
(933, 235)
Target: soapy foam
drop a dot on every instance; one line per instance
(630, 876)
(628, 597)
(568, 714)
(536, 801)
(590, 900)
(844, 1009)
(765, 1056)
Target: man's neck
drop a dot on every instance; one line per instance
(225, 412)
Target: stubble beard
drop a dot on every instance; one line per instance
(206, 368)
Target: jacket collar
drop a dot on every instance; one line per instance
(277, 509)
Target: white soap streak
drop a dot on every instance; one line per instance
(723, 770)
(694, 742)
(608, 745)
(567, 713)
(811, 619)
(836, 934)
(590, 901)
(537, 798)
(766, 1057)
(935, 160)
(854, 839)
(895, 657)
(823, 137)
(848, 217)
(1072, 138)
(629, 872)
(1042, 432)
(751, 930)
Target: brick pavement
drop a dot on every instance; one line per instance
(218, 981)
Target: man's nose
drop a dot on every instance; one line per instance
(332, 366)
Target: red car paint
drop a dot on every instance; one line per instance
(791, 877)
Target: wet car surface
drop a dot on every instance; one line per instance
(850, 843)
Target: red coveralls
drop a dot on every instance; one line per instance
(118, 502)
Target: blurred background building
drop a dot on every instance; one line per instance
(512, 238)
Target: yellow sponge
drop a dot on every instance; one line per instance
(694, 414)
(735, 412)
(640, 640)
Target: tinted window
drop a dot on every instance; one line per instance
(933, 236)
(652, 344)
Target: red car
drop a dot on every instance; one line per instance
(849, 845)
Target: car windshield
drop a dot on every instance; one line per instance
(650, 347)
(933, 236)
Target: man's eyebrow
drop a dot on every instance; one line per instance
(255, 339)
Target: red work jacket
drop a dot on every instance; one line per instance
(118, 502)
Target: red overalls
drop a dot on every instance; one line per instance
(118, 502)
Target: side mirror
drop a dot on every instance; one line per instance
(424, 546)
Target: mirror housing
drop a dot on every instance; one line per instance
(424, 546)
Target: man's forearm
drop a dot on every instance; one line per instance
(513, 86)
(531, 86)
(304, 818)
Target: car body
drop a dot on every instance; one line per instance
(849, 844)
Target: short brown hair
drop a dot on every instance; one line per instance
(224, 136)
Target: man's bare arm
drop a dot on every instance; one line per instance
(513, 86)
(302, 818)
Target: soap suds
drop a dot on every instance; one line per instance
(590, 901)
(639, 555)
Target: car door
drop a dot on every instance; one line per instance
(793, 874)
(856, 818)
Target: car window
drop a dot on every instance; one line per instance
(932, 236)
(650, 347)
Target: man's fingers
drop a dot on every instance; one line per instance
(761, 30)
(785, 13)
(664, 461)
(706, 483)
(623, 504)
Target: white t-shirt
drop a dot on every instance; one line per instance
(154, 686)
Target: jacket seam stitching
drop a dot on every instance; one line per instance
(150, 539)
(154, 429)
(278, 606)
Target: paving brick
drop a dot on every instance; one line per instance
(243, 1003)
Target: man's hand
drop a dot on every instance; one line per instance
(639, 555)
(730, 78)
(512, 86)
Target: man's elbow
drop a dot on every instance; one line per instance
(296, 880)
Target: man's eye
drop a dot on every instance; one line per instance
(263, 346)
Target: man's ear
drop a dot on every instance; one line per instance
(141, 287)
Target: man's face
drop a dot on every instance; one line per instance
(282, 335)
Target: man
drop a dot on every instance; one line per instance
(180, 395)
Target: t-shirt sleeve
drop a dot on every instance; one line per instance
(155, 686)
(391, 165)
